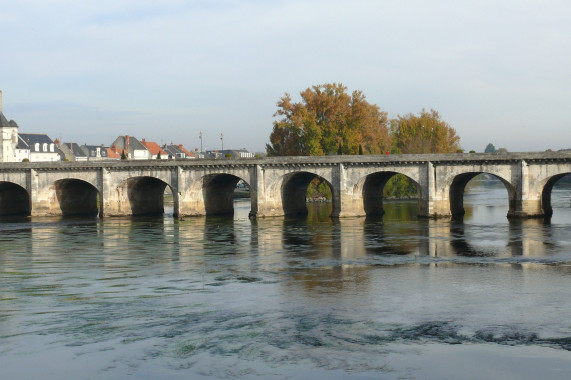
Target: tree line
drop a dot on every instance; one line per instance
(330, 120)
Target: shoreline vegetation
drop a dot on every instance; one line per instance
(328, 200)
(398, 187)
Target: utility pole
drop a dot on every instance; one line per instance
(200, 136)
(222, 139)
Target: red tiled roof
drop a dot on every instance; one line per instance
(185, 151)
(112, 154)
(153, 147)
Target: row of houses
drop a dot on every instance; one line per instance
(126, 147)
(18, 147)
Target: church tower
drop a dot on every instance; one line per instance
(9, 137)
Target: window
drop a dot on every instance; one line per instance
(45, 147)
(52, 148)
(37, 147)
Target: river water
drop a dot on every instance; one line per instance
(205, 298)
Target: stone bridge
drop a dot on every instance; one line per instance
(278, 185)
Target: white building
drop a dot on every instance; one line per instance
(132, 148)
(36, 147)
(16, 147)
(9, 137)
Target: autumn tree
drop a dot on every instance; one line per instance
(424, 133)
(328, 120)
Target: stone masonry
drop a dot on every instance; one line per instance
(277, 184)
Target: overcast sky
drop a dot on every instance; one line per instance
(88, 71)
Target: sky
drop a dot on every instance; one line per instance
(89, 71)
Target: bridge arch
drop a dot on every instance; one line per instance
(145, 195)
(218, 193)
(291, 189)
(458, 186)
(546, 192)
(371, 187)
(14, 199)
(77, 197)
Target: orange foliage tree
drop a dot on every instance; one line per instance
(425, 133)
(328, 120)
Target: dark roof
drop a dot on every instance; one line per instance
(170, 150)
(22, 144)
(32, 138)
(3, 121)
(93, 148)
(120, 143)
(136, 144)
(75, 149)
(173, 149)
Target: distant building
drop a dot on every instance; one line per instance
(188, 153)
(8, 137)
(17, 147)
(132, 147)
(232, 153)
(95, 152)
(112, 155)
(72, 151)
(212, 154)
(36, 148)
(155, 150)
(115, 151)
(241, 153)
(177, 151)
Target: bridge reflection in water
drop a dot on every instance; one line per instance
(398, 237)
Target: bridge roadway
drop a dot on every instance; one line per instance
(278, 185)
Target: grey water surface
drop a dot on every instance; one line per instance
(202, 298)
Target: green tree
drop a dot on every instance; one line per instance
(490, 148)
(328, 120)
(159, 156)
(318, 188)
(423, 133)
(399, 186)
(123, 155)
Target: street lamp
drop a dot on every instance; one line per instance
(222, 139)
(200, 137)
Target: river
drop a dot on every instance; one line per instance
(204, 298)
